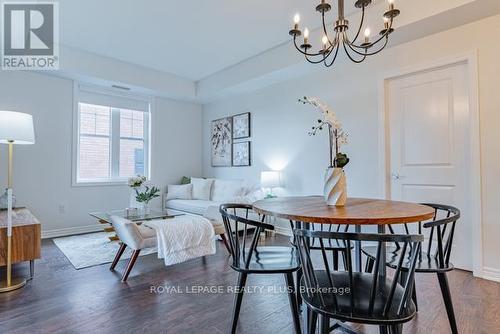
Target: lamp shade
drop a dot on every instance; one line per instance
(16, 127)
(270, 179)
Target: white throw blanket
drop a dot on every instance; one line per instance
(183, 238)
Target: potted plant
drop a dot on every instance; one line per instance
(135, 183)
(146, 196)
(335, 185)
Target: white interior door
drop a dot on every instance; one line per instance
(428, 114)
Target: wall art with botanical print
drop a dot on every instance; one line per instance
(241, 154)
(241, 126)
(221, 141)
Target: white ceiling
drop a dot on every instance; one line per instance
(192, 39)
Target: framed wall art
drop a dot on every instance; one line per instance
(241, 126)
(241, 154)
(221, 142)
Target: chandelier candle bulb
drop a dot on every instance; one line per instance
(367, 35)
(306, 35)
(391, 4)
(295, 30)
(296, 20)
(386, 23)
(325, 41)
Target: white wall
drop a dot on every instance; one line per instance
(280, 124)
(42, 172)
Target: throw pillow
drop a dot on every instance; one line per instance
(201, 188)
(183, 191)
(226, 190)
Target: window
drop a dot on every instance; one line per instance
(112, 138)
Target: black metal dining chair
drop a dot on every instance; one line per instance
(436, 258)
(250, 258)
(358, 297)
(337, 247)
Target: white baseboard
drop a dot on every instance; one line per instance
(491, 274)
(62, 232)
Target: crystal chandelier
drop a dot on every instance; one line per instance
(357, 51)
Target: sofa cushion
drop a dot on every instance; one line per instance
(225, 190)
(195, 206)
(183, 191)
(202, 188)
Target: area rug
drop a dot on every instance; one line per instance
(92, 249)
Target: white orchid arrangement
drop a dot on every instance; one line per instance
(337, 135)
(136, 181)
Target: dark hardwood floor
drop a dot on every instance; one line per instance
(61, 299)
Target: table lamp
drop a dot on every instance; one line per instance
(15, 128)
(270, 179)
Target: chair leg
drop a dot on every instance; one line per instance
(293, 302)
(242, 279)
(445, 290)
(369, 265)
(130, 264)
(118, 256)
(298, 276)
(414, 296)
(313, 319)
(224, 240)
(324, 324)
(32, 269)
(335, 260)
(396, 329)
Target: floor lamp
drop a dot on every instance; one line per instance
(15, 128)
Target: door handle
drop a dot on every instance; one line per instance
(396, 176)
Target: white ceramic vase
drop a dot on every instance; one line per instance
(335, 189)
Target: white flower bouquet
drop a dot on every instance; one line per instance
(136, 181)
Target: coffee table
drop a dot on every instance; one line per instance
(104, 218)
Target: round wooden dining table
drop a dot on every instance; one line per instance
(302, 211)
(357, 211)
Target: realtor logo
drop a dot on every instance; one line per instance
(30, 33)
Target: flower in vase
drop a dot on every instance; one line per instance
(337, 136)
(137, 181)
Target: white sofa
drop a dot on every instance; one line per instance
(223, 191)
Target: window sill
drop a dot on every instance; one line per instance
(99, 183)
